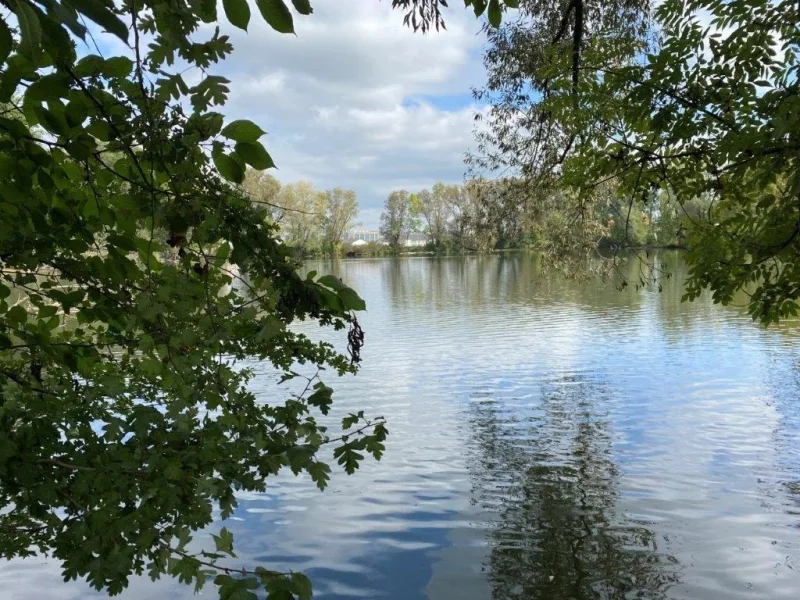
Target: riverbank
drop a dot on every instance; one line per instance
(464, 252)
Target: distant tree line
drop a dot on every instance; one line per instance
(483, 215)
(312, 221)
(477, 216)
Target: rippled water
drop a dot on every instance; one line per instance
(548, 439)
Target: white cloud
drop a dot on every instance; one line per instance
(358, 100)
(355, 99)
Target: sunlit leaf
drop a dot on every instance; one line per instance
(242, 131)
(255, 155)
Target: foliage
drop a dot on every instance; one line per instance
(369, 249)
(302, 219)
(433, 206)
(424, 14)
(692, 101)
(453, 217)
(507, 213)
(262, 188)
(396, 218)
(306, 217)
(136, 281)
(341, 210)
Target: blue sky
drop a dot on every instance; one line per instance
(444, 102)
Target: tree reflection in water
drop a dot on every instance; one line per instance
(543, 473)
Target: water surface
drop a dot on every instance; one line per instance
(548, 439)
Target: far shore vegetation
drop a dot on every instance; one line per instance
(460, 219)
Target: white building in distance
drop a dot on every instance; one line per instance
(415, 240)
(365, 236)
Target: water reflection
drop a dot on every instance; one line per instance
(548, 439)
(544, 468)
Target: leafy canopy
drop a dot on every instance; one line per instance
(134, 276)
(688, 100)
(396, 217)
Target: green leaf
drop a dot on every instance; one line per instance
(52, 121)
(495, 13)
(331, 300)
(478, 6)
(512, 3)
(287, 376)
(101, 130)
(223, 252)
(54, 85)
(213, 121)
(30, 29)
(228, 167)
(303, 7)
(320, 474)
(350, 420)
(9, 81)
(236, 589)
(322, 397)
(69, 17)
(101, 14)
(89, 65)
(348, 458)
(351, 299)
(332, 282)
(15, 128)
(5, 41)
(271, 327)
(47, 311)
(277, 15)
(17, 315)
(118, 66)
(243, 131)
(301, 586)
(76, 112)
(238, 12)
(255, 155)
(224, 541)
(206, 10)
(90, 209)
(56, 41)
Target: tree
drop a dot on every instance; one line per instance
(263, 189)
(303, 207)
(458, 218)
(433, 207)
(341, 210)
(396, 218)
(693, 100)
(124, 416)
(470, 223)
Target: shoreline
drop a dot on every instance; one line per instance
(648, 247)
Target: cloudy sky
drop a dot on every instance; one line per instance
(358, 100)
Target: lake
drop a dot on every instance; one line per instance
(548, 439)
